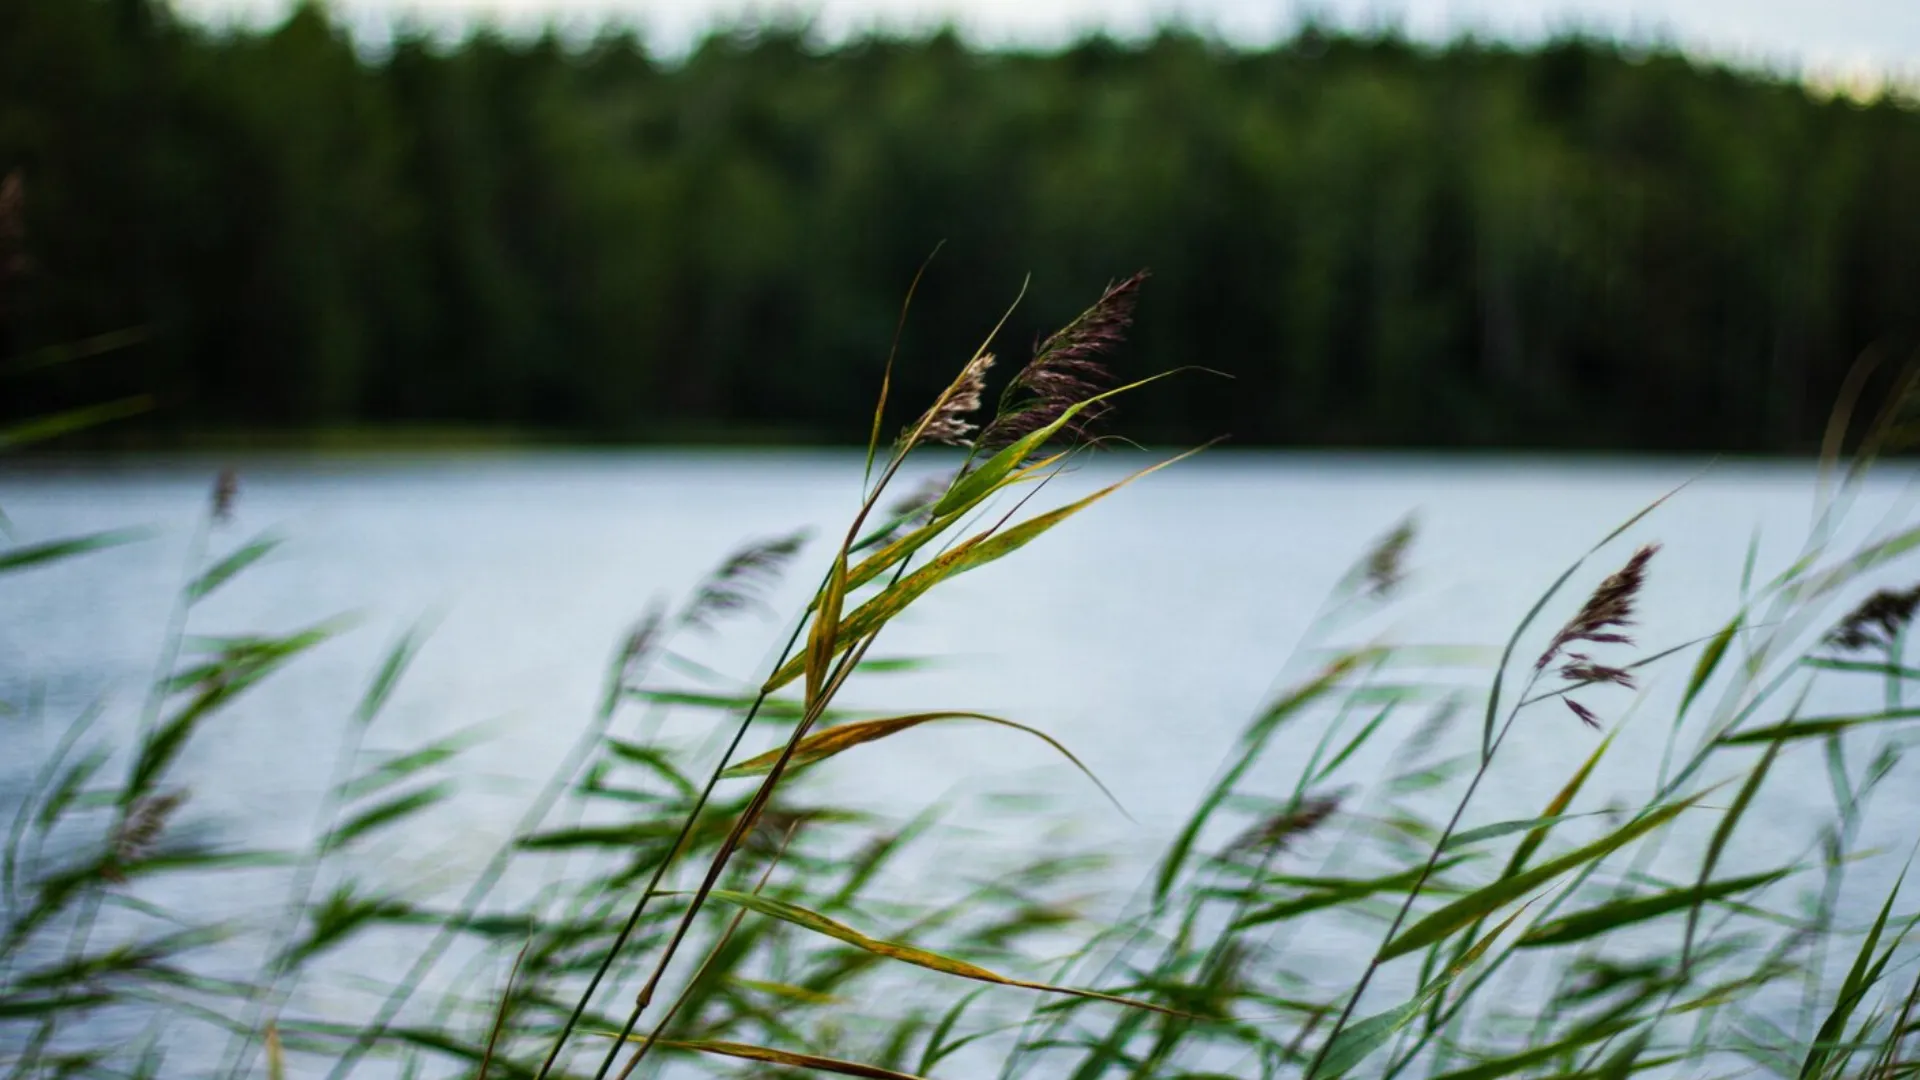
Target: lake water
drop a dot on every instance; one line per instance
(1143, 633)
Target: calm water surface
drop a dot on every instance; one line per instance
(1142, 634)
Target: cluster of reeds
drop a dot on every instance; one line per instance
(677, 897)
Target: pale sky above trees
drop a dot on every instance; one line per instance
(1829, 40)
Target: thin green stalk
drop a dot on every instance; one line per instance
(1426, 871)
(748, 817)
(556, 785)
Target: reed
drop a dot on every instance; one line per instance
(680, 896)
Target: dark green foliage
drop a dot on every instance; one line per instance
(1385, 244)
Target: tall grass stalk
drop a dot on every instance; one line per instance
(763, 930)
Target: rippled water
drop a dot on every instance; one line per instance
(1142, 634)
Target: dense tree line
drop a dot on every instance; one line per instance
(1385, 243)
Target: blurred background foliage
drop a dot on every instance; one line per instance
(1578, 245)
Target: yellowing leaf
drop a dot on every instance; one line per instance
(788, 1058)
(1479, 904)
(974, 552)
(825, 744)
(821, 639)
(908, 954)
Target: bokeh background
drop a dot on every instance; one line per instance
(499, 320)
(603, 224)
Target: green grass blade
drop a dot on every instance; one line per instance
(1816, 727)
(1345, 892)
(1358, 1041)
(26, 555)
(1619, 1064)
(1860, 978)
(387, 812)
(1528, 1058)
(976, 552)
(1478, 905)
(1288, 706)
(1508, 828)
(1354, 743)
(1710, 658)
(985, 479)
(401, 766)
(1724, 831)
(230, 567)
(1592, 922)
(392, 668)
(66, 423)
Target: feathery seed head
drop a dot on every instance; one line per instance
(1611, 605)
(1065, 371)
(949, 421)
(1877, 621)
(138, 830)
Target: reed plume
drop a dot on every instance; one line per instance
(139, 829)
(1385, 566)
(1610, 606)
(1066, 370)
(742, 581)
(1598, 622)
(1279, 830)
(949, 420)
(1877, 622)
(226, 492)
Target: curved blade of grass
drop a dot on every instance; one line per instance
(893, 351)
(164, 743)
(1834, 577)
(1344, 892)
(1526, 1059)
(824, 634)
(908, 954)
(395, 665)
(1358, 1041)
(1724, 832)
(824, 744)
(399, 767)
(1710, 658)
(1619, 1064)
(977, 551)
(789, 1058)
(1815, 728)
(1557, 807)
(1476, 905)
(1256, 734)
(385, 813)
(230, 567)
(1860, 978)
(19, 558)
(1355, 743)
(65, 423)
(986, 478)
(1868, 667)
(901, 547)
(1582, 925)
(1508, 828)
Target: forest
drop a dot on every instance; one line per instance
(1581, 245)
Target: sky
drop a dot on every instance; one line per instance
(1852, 45)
